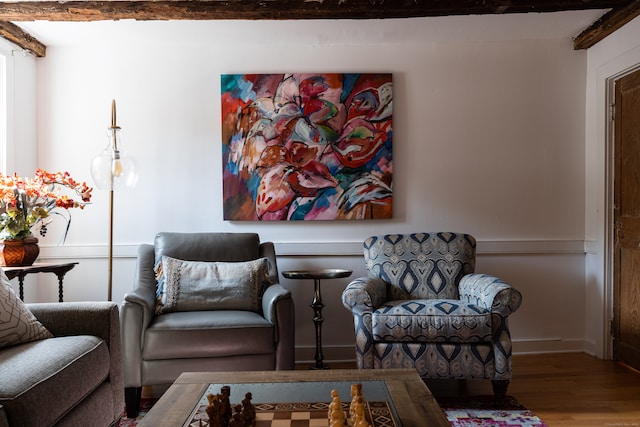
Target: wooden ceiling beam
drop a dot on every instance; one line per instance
(622, 12)
(79, 10)
(22, 39)
(607, 24)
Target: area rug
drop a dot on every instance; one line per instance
(480, 411)
(145, 406)
(476, 411)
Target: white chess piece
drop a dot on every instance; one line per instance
(360, 420)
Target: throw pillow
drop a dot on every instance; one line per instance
(199, 285)
(17, 324)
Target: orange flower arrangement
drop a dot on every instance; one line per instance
(27, 203)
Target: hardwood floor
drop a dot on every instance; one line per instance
(566, 390)
(577, 390)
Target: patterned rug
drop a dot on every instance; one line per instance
(477, 411)
(145, 406)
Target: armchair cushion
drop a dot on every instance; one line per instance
(207, 334)
(17, 324)
(197, 285)
(439, 320)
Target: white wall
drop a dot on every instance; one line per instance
(618, 53)
(488, 139)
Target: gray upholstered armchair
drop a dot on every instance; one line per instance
(212, 311)
(423, 307)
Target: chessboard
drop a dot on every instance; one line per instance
(302, 414)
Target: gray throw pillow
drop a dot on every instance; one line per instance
(17, 324)
(198, 285)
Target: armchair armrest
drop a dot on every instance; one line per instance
(277, 308)
(272, 297)
(144, 291)
(145, 301)
(138, 310)
(491, 293)
(364, 294)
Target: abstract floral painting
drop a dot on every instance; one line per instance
(307, 146)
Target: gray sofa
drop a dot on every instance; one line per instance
(72, 379)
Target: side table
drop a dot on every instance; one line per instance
(58, 269)
(317, 304)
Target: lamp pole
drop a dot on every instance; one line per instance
(111, 170)
(110, 283)
(115, 158)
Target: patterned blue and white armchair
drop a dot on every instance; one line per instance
(423, 307)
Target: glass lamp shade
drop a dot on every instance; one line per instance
(112, 169)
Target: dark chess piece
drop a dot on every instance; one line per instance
(214, 411)
(248, 411)
(225, 399)
(237, 420)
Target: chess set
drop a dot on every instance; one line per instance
(357, 412)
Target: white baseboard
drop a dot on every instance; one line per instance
(556, 345)
(347, 353)
(338, 353)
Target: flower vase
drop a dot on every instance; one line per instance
(19, 253)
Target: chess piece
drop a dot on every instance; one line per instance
(335, 411)
(214, 411)
(248, 411)
(237, 419)
(225, 400)
(337, 419)
(359, 419)
(358, 410)
(356, 391)
(335, 399)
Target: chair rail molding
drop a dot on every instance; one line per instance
(337, 249)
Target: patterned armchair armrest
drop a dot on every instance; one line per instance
(364, 294)
(491, 293)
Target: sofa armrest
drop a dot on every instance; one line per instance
(278, 308)
(364, 294)
(100, 319)
(491, 293)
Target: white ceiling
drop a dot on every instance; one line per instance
(433, 29)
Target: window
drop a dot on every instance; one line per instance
(4, 131)
(7, 102)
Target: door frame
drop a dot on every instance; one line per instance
(609, 291)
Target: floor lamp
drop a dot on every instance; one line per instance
(112, 170)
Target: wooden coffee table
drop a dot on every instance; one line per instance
(412, 401)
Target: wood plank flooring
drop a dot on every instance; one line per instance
(566, 390)
(577, 390)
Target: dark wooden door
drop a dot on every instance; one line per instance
(626, 321)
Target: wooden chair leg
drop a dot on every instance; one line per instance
(132, 396)
(499, 391)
